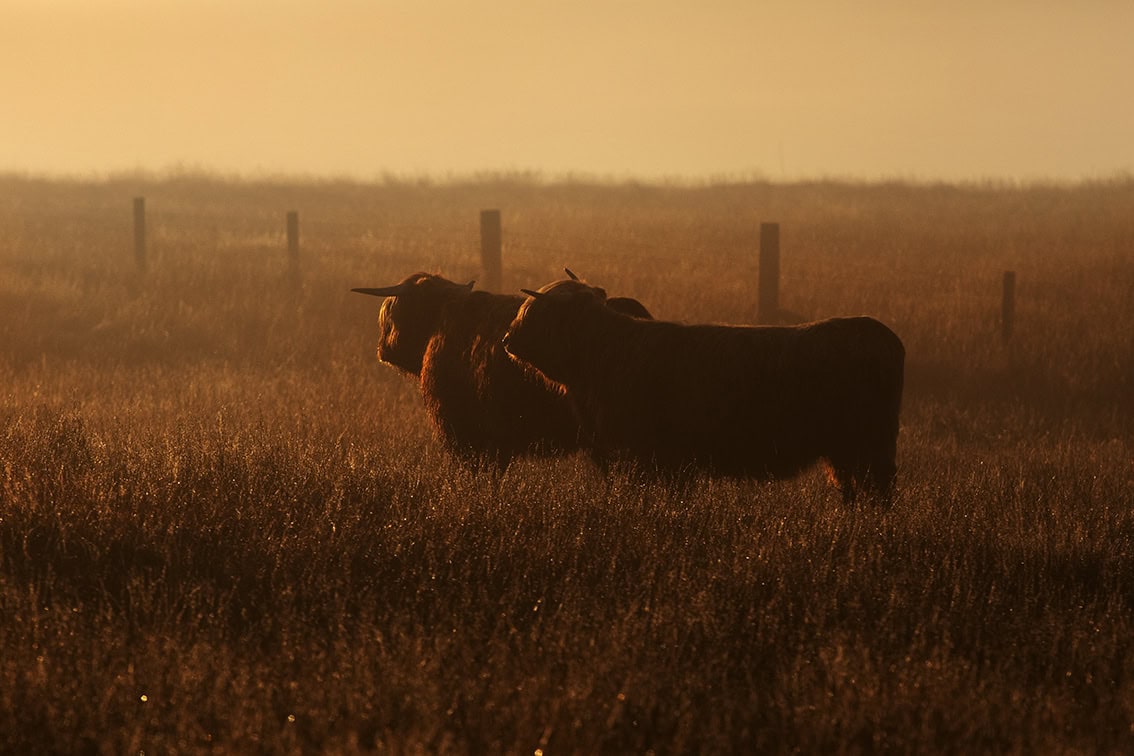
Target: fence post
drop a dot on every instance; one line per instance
(490, 244)
(140, 233)
(1008, 305)
(768, 308)
(293, 244)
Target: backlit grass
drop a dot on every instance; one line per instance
(225, 527)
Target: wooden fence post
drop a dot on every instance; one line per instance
(293, 244)
(768, 308)
(140, 233)
(490, 254)
(1008, 305)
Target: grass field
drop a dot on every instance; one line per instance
(224, 526)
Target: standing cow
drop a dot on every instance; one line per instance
(483, 404)
(742, 401)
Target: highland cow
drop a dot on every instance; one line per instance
(483, 404)
(737, 401)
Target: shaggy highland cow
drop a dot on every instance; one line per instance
(740, 401)
(483, 403)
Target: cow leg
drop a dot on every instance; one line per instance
(867, 467)
(602, 460)
(843, 475)
(880, 479)
(875, 480)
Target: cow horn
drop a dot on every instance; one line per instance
(470, 284)
(384, 291)
(531, 293)
(570, 275)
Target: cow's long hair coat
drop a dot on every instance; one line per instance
(484, 405)
(744, 401)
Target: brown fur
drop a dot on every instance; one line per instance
(744, 401)
(483, 403)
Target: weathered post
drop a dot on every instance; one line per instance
(490, 244)
(768, 306)
(140, 233)
(1008, 305)
(293, 244)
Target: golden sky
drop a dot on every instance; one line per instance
(969, 89)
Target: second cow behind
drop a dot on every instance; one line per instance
(484, 405)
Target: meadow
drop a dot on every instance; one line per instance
(225, 527)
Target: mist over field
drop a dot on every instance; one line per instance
(225, 526)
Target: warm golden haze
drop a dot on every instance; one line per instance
(964, 90)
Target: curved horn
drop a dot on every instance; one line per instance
(384, 291)
(531, 293)
(470, 284)
(570, 275)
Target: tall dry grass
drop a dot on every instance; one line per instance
(225, 527)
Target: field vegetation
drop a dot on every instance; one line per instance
(225, 527)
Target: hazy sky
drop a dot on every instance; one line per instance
(615, 88)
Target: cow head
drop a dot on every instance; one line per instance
(549, 327)
(410, 315)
